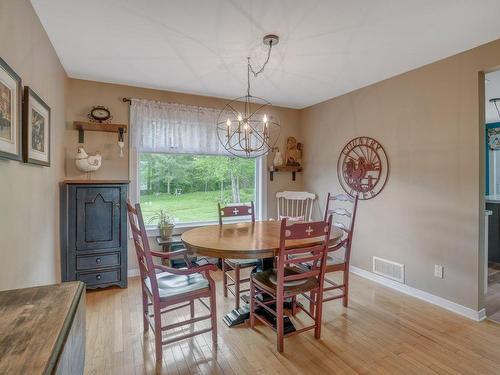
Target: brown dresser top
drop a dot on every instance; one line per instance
(95, 182)
(34, 323)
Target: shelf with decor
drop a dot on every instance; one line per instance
(83, 126)
(285, 168)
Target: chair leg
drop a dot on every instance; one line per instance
(237, 286)
(279, 324)
(224, 277)
(252, 304)
(158, 344)
(191, 308)
(346, 288)
(213, 313)
(318, 316)
(145, 311)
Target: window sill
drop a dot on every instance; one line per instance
(152, 231)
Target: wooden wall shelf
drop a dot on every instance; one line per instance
(82, 127)
(285, 168)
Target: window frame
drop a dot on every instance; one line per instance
(151, 229)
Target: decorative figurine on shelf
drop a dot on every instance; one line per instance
(278, 159)
(87, 163)
(100, 114)
(293, 153)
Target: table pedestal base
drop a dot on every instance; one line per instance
(237, 316)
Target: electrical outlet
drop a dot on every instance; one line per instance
(438, 271)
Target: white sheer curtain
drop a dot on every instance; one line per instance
(174, 128)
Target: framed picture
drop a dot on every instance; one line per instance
(10, 113)
(36, 129)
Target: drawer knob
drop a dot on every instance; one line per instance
(98, 260)
(98, 277)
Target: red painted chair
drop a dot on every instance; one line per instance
(166, 289)
(289, 280)
(236, 265)
(335, 263)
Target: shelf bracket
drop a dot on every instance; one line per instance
(81, 136)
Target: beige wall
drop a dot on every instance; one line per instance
(82, 95)
(428, 121)
(29, 199)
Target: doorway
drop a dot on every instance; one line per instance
(492, 195)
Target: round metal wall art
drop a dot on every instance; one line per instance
(363, 168)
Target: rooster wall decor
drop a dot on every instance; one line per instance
(87, 163)
(363, 167)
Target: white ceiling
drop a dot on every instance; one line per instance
(327, 47)
(492, 90)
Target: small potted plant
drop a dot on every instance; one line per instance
(165, 223)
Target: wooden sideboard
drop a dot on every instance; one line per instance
(42, 330)
(94, 232)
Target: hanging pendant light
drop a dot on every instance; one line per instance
(244, 126)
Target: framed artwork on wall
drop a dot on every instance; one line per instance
(10, 113)
(36, 129)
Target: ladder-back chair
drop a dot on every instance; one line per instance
(236, 265)
(165, 289)
(295, 205)
(344, 216)
(289, 280)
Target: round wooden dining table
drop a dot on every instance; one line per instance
(245, 240)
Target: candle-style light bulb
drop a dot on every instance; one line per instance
(264, 118)
(239, 117)
(228, 122)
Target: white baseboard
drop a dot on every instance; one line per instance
(420, 294)
(133, 272)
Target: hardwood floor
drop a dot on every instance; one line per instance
(382, 332)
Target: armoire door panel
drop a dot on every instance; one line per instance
(97, 218)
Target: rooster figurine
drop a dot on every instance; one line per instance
(87, 163)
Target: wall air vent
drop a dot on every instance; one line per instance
(387, 268)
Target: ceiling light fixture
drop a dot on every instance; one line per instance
(243, 126)
(494, 101)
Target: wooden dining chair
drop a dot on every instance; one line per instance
(288, 279)
(236, 265)
(295, 205)
(165, 289)
(335, 263)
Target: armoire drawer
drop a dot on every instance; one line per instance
(102, 277)
(90, 262)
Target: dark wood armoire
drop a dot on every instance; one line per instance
(94, 232)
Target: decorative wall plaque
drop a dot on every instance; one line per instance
(363, 168)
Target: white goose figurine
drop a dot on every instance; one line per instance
(87, 163)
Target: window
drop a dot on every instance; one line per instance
(189, 187)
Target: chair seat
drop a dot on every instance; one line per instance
(242, 262)
(268, 280)
(331, 261)
(173, 286)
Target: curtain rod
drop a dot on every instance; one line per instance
(127, 100)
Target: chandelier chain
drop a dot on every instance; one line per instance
(256, 73)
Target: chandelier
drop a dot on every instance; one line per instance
(244, 126)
